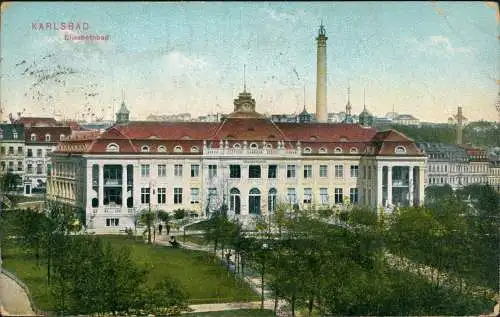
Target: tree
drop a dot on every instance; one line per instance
(10, 181)
(164, 295)
(434, 194)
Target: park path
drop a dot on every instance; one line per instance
(253, 281)
(13, 298)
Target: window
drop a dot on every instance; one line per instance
(339, 196)
(323, 171)
(39, 153)
(354, 171)
(14, 134)
(178, 148)
(292, 196)
(212, 198)
(290, 171)
(308, 170)
(195, 170)
(307, 195)
(353, 150)
(49, 169)
(11, 150)
(61, 137)
(20, 166)
(353, 195)
(339, 171)
(145, 170)
(162, 195)
(177, 195)
(1, 134)
(322, 150)
(39, 169)
(112, 147)
(272, 171)
(145, 195)
(2, 150)
(254, 146)
(47, 138)
(254, 171)
(194, 149)
(178, 170)
(29, 168)
(400, 149)
(234, 171)
(338, 150)
(234, 201)
(307, 150)
(237, 146)
(30, 153)
(162, 170)
(195, 195)
(162, 148)
(212, 171)
(254, 201)
(271, 200)
(323, 195)
(112, 222)
(19, 150)
(145, 148)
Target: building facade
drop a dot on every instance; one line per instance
(246, 162)
(12, 149)
(39, 142)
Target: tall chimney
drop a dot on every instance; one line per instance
(321, 111)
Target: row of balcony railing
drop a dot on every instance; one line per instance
(233, 151)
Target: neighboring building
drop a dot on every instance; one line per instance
(446, 164)
(494, 170)
(40, 141)
(12, 149)
(246, 161)
(172, 117)
(382, 121)
(291, 118)
(405, 119)
(210, 118)
(478, 168)
(36, 121)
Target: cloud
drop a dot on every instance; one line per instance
(282, 16)
(177, 59)
(439, 44)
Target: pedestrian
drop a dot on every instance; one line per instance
(168, 229)
(160, 228)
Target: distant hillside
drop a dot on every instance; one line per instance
(480, 133)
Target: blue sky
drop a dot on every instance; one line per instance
(423, 58)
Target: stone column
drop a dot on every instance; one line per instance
(101, 185)
(124, 186)
(379, 185)
(421, 185)
(88, 186)
(389, 185)
(410, 185)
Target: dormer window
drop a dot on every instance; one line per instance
(47, 138)
(400, 149)
(269, 146)
(194, 149)
(253, 145)
(354, 150)
(307, 150)
(112, 147)
(178, 149)
(1, 134)
(162, 148)
(338, 150)
(145, 148)
(14, 134)
(322, 150)
(237, 146)
(61, 137)
(33, 137)
(313, 138)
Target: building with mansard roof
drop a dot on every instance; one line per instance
(246, 161)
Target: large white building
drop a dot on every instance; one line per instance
(12, 149)
(246, 161)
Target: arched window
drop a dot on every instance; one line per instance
(338, 150)
(234, 201)
(307, 150)
(145, 148)
(162, 148)
(254, 202)
(33, 137)
(269, 146)
(400, 149)
(112, 147)
(178, 148)
(253, 145)
(194, 149)
(271, 200)
(237, 146)
(322, 150)
(353, 150)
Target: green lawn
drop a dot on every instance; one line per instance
(239, 313)
(197, 239)
(204, 279)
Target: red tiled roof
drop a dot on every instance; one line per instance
(330, 132)
(167, 130)
(251, 129)
(40, 132)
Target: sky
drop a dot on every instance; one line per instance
(420, 58)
